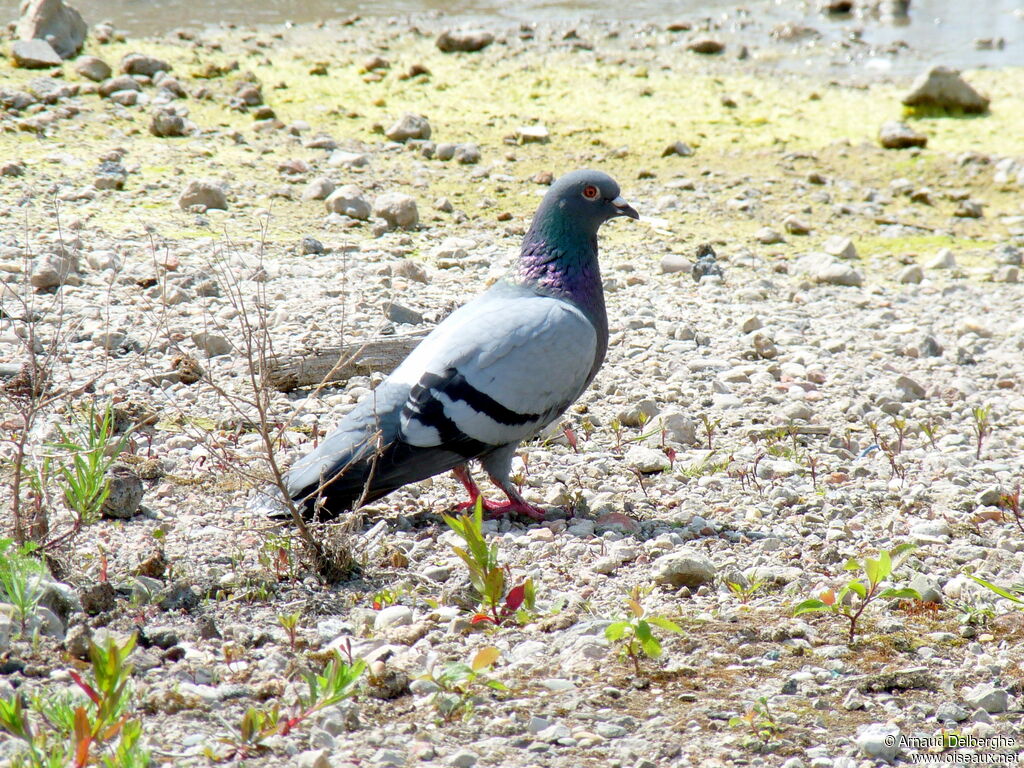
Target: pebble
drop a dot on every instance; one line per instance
(409, 126)
(706, 46)
(124, 495)
(987, 697)
(943, 259)
(795, 226)
(204, 194)
(895, 134)
(674, 262)
(166, 122)
(646, 460)
(349, 201)
(35, 54)
(464, 40)
(943, 88)
(532, 134)
(684, 568)
(392, 616)
(321, 188)
(397, 209)
(910, 274)
(92, 68)
(879, 740)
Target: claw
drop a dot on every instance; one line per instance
(495, 509)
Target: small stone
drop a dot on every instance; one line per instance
(140, 64)
(750, 323)
(212, 344)
(680, 148)
(836, 273)
(646, 460)
(462, 759)
(944, 88)
(92, 68)
(684, 568)
(467, 154)
(166, 123)
(795, 226)
(125, 98)
(119, 83)
(411, 270)
(125, 493)
(343, 159)
(1007, 274)
(310, 246)
(53, 21)
(768, 236)
(895, 134)
(180, 597)
(98, 598)
(927, 588)
(319, 188)
(35, 54)
(392, 616)
(397, 209)
(763, 346)
(987, 697)
(532, 134)
(943, 259)
(910, 390)
(348, 200)
(53, 270)
(705, 45)
(397, 313)
(679, 427)
(929, 346)
(948, 711)
(840, 247)
(464, 40)
(879, 740)
(444, 205)
(638, 414)
(969, 209)
(674, 262)
(409, 126)
(910, 274)
(313, 758)
(445, 151)
(203, 193)
(78, 640)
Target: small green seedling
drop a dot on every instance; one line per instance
(460, 685)
(758, 719)
(290, 623)
(635, 635)
(745, 590)
(20, 570)
(858, 594)
(486, 575)
(982, 416)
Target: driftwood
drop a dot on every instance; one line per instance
(307, 369)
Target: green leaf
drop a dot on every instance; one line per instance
(616, 631)
(810, 606)
(873, 569)
(496, 685)
(484, 658)
(647, 639)
(904, 593)
(666, 624)
(898, 554)
(884, 566)
(998, 590)
(857, 588)
(852, 565)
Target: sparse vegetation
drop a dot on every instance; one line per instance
(635, 635)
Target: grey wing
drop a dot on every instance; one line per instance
(498, 373)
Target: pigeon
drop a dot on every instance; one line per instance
(492, 374)
(706, 264)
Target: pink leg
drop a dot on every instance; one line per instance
(516, 503)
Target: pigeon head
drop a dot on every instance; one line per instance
(583, 200)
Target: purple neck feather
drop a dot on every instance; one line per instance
(568, 271)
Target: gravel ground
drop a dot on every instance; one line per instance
(818, 400)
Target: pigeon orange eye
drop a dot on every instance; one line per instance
(590, 192)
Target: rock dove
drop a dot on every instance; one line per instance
(494, 373)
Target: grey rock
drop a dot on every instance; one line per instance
(942, 87)
(910, 274)
(35, 54)
(684, 568)
(646, 460)
(795, 226)
(310, 246)
(392, 616)
(445, 151)
(674, 262)
(927, 588)
(140, 64)
(533, 134)
(467, 154)
(680, 148)
(878, 740)
(119, 83)
(1007, 274)
(638, 414)
(768, 236)
(409, 126)
(98, 598)
(125, 493)
(943, 259)
(837, 273)
(128, 98)
(706, 45)
(969, 209)
(949, 711)
(398, 313)
(162, 637)
(411, 270)
(341, 158)
(319, 188)
(397, 209)
(462, 759)
(77, 641)
(92, 68)
(464, 40)
(60, 25)
(212, 344)
(988, 697)
(895, 134)
(910, 390)
(679, 427)
(840, 247)
(349, 200)
(166, 123)
(53, 270)
(47, 623)
(203, 193)
(181, 596)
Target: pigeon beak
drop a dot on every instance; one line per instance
(622, 208)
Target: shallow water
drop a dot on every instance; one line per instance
(936, 30)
